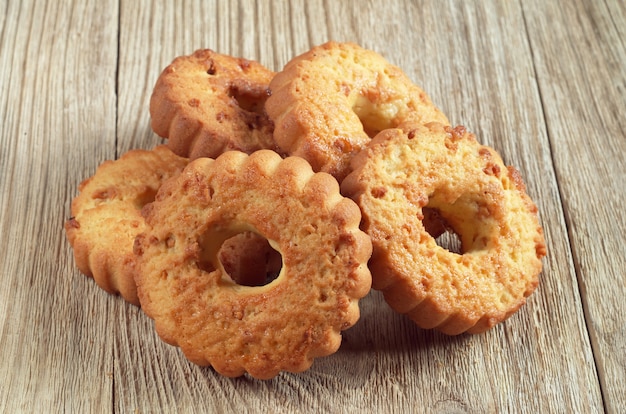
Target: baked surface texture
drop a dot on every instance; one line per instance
(207, 103)
(405, 170)
(329, 101)
(106, 215)
(279, 326)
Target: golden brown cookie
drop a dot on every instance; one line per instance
(106, 216)
(329, 101)
(407, 169)
(279, 326)
(207, 103)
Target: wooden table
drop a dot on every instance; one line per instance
(544, 82)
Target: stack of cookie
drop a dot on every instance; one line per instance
(281, 198)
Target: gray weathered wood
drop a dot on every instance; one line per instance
(542, 82)
(58, 113)
(574, 47)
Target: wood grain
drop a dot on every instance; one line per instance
(540, 81)
(573, 46)
(58, 106)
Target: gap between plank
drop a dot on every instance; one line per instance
(117, 109)
(117, 76)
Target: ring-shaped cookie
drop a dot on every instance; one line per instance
(207, 103)
(401, 172)
(106, 215)
(329, 101)
(262, 330)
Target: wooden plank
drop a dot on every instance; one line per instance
(67, 346)
(57, 107)
(579, 51)
(475, 61)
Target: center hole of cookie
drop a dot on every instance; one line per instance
(468, 224)
(144, 197)
(438, 227)
(249, 259)
(373, 116)
(249, 99)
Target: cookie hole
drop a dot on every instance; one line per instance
(440, 230)
(145, 197)
(205, 264)
(249, 259)
(450, 241)
(373, 116)
(248, 99)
